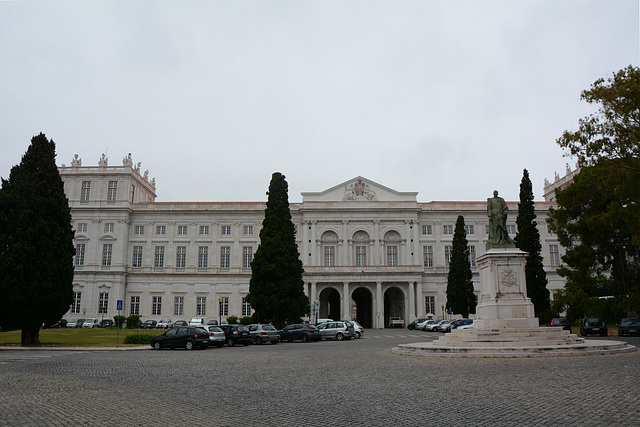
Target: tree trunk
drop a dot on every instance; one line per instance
(30, 336)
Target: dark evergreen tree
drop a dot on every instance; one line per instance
(460, 296)
(36, 243)
(276, 289)
(528, 240)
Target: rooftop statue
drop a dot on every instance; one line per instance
(497, 211)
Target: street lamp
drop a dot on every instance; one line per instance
(220, 309)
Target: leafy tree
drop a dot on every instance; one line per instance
(460, 295)
(36, 243)
(528, 240)
(276, 287)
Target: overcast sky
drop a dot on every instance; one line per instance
(451, 99)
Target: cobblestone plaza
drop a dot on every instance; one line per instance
(356, 382)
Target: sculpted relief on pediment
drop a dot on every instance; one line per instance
(359, 190)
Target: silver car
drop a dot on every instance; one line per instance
(216, 335)
(337, 330)
(263, 333)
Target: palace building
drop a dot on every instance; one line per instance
(369, 252)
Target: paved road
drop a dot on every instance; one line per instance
(357, 382)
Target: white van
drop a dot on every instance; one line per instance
(197, 321)
(319, 321)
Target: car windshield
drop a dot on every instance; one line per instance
(243, 328)
(215, 329)
(630, 322)
(268, 328)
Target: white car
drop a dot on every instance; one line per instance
(164, 324)
(423, 324)
(91, 323)
(197, 321)
(216, 335)
(358, 328)
(433, 327)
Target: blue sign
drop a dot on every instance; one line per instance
(119, 305)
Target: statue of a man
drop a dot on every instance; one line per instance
(497, 211)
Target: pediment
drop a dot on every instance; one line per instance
(359, 189)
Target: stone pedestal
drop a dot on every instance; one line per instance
(503, 301)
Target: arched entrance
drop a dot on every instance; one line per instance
(364, 306)
(329, 304)
(393, 304)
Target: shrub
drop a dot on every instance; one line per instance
(139, 339)
(132, 321)
(247, 320)
(119, 320)
(232, 319)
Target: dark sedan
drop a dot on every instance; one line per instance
(560, 322)
(149, 324)
(629, 326)
(184, 337)
(236, 334)
(593, 326)
(299, 331)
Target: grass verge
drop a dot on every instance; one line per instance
(77, 337)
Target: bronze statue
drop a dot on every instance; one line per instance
(497, 211)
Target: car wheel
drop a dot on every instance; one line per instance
(189, 345)
(258, 340)
(157, 345)
(230, 342)
(339, 336)
(275, 342)
(358, 335)
(304, 338)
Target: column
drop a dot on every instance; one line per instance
(420, 302)
(346, 301)
(378, 322)
(411, 315)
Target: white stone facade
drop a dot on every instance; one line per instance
(369, 252)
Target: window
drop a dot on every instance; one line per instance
(247, 256)
(82, 227)
(329, 256)
(86, 189)
(392, 255)
(181, 256)
(554, 255)
(203, 257)
(468, 229)
(447, 255)
(225, 256)
(447, 230)
(137, 257)
(138, 230)
(204, 230)
(511, 229)
(178, 306)
(247, 230)
(107, 249)
(112, 191)
(427, 257)
(225, 230)
(182, 230)
(224, 306)
(159, 257)
(430, 304)
(75, 305)
(361, 256)
(246, 307)
(201, 306)
(80, 253)
(108, 227)
(161, 230)
(134, 308)
(472, 255)
(103, 302)
(156, 306)
(426, 230)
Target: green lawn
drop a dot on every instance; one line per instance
(78, 337)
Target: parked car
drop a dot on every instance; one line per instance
(413, 324)
(593, 326)
(197, 321)
(358, 328)
(446, 326)
(212, 322)
(91, 323)
(184, 336)
(629, 326)
(461, 322)
(164, 324)
(319, 321)
(216, 335)
(300, 331)
(433, 327)
(75, 323)
(467, 326)
(424, 325)
(236, 334)
(180, 323)
(149, 324)
(107, 323)
(337, 330)
(62, 323)
(560, 322)
(396, 322)
(263, 333)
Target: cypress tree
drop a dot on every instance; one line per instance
(276, 289)
(36, 243)
(460, 296)
(528, 240)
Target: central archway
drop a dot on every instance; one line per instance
(364, 306)
(329, 304)
(393, 304)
